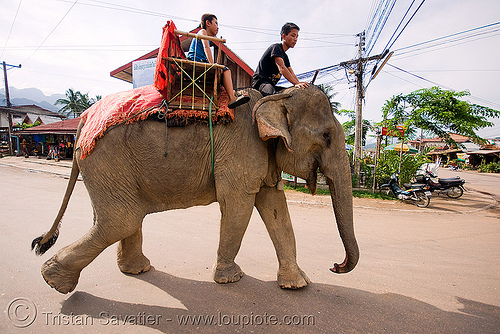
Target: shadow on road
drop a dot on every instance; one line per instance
(471, 201)
(259, 306)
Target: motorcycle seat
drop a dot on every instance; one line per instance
(414, 185)
(451, 181)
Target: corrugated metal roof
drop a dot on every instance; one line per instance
(31, 109)
(68, 127)
(484, 152)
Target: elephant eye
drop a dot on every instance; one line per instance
(328, 139)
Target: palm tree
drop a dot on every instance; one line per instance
(328, 90)
(350, 126)
(76, 103)
(85, 101)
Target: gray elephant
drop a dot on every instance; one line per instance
(128, 176)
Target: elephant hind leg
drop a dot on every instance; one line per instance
(63, 270)
(131, 260)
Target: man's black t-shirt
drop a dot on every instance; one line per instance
(267, 70)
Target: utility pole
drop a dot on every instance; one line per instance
(9, 105)
(357, 67)
(360, 95)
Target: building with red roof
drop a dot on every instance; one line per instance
(57, 138)
(241, 72)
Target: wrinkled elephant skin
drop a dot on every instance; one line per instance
(128, 176)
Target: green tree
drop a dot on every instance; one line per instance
(350, 127)
(76, 103)
(437, 112)
(328, 90)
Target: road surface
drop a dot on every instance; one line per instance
(420, 271)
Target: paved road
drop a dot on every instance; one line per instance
(485, 182)
(421, 270)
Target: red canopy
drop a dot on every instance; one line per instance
(167, 49)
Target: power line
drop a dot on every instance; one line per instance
(411, 18)
(371, 15)
(493, 27)
(108, 5)
(441, 46)
(400, 22)
(57, 25)
(496, 105)
(380, 23)
(266, 31)
(12, 26)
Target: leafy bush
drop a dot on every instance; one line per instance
(492, 167)
(367, 170)
(305, 190)
(25, 126)
(388, 164)
(355, 193)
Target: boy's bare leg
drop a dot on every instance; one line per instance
(227, 82)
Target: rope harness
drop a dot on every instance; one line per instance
(162, 115)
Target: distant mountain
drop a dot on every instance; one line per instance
(28, 96)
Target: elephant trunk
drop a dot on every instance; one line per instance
(341, 193)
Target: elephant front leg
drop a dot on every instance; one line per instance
(272, 207)
(235, 215)
(131, 260)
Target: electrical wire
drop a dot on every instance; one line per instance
(496, 105)
(494, 27)
(375, 14)
(380, 26)
(411, 18)
(57, 25)
(12, 26)
(436, 48)
(400, 22)
(371, 15)
(108, 5)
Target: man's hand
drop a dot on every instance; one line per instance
(301, 85)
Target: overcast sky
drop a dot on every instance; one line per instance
(65, 44)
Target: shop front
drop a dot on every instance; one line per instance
(54, 141)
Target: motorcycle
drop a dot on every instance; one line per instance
(421, 197)
(452, 187)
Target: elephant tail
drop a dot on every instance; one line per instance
(47, 240)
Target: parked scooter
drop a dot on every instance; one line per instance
(421, 197)
(452, 187)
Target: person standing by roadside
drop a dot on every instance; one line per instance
(275, 63)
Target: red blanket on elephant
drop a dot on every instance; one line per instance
(132, 106)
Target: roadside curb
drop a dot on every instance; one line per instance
(381, 205)
(62, 169)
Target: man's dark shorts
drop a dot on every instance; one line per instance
(268, 89)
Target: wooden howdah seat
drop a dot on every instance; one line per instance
(188, 84)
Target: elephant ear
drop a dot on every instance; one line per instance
(270, 113)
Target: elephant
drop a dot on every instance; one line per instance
(128, 176)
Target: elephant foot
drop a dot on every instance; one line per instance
(292, 278)
(227, 273)
(58, 277)
(139, 264)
